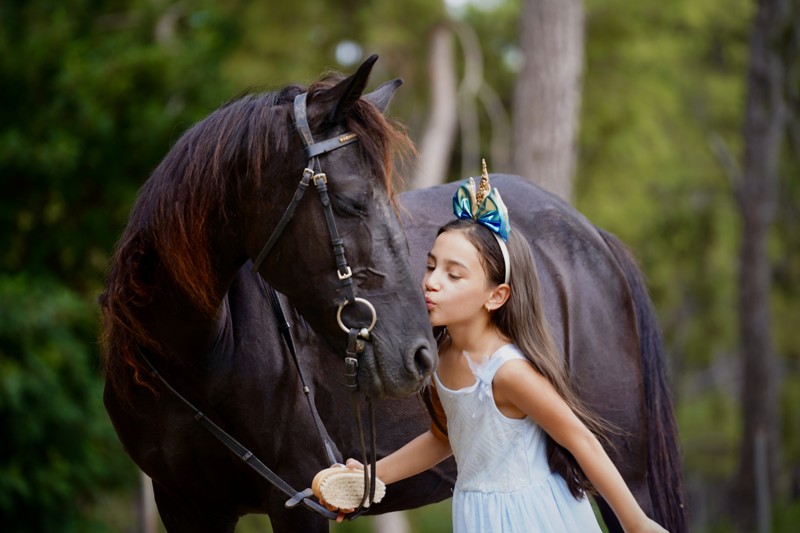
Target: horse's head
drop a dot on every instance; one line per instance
(336, 281)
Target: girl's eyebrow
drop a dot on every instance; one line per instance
(449, 262)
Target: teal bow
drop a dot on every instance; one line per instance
(491, 212)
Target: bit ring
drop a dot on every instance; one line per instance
(361, 301)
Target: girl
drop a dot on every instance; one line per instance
(525, 448)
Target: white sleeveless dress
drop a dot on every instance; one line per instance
(504, 482)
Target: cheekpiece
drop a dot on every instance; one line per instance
(483, 204)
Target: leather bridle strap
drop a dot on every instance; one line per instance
(313, 172)
(295, 497)
(355, 345)
(286, 333)
(287, 216)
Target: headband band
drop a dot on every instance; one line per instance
(485, 206)
(506, 258)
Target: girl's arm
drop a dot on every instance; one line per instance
(518, 383)
(420, 454)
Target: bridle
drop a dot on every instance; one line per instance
(313, 172)
(356, 337)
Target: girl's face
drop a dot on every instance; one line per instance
(455, 284)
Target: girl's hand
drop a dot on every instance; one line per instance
(352, 463)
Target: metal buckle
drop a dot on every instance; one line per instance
(321, 176)
(347, 274)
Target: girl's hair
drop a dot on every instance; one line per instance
(522, 321)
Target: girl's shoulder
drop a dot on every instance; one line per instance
(500, 358)
(506, 353)
(509, 361)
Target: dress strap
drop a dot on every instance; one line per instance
(484, 372)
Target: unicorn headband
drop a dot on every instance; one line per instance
(485, 206)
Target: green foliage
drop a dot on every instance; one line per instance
(710, 429)
(429, 519)
(785, 251)
(58, 449)
(92, 95)
(661, 85)
(284, 42)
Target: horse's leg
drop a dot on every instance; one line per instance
(291, 521)
(609, 518)
(179, 515)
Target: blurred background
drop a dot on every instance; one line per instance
(674, 125)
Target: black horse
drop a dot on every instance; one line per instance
(181, 289)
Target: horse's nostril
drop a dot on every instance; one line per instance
(423, 361)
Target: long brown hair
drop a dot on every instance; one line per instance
(521, 319)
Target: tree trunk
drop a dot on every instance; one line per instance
(147, 513)
(764, 127)
(436, 144)
(547, 95)
(396, 522)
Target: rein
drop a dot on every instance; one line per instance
(295, 497)
(356, 337)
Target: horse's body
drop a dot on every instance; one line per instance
(233, 364)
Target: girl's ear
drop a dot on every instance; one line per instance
(498, 297)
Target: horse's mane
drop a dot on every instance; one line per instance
(168, 236)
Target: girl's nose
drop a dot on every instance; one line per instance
(429, 282)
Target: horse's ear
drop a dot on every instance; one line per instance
(343, 96)
(381, 96)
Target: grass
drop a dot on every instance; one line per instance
(430, 519)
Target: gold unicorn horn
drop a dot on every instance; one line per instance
(483, 188)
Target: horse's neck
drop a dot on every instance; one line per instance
(183, 330)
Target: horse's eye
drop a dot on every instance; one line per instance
(349, 207)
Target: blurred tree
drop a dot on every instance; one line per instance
(663, 90)
(756, 194)
(438, 137)
(547, 94)
(456, 106)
